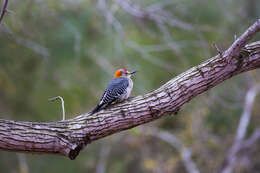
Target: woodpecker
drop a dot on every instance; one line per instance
(117, 90)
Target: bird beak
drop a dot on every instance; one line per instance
(133, 72)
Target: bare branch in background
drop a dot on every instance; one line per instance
(252, 139)
(150, 58)
(104, 154)
(101, 61)
(185, 152)
(174, 46)
(232, 157)
(157, 48)
(231, 103)
(102, 5)
(77, 44)
(167, 38)
(104, 9)
(216, 99)
(245, 118)
(23, 166)
(103, 158)
(159, 5)
(157, 15)
(37, 48)
(4, 10)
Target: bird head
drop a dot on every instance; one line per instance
(123, 73)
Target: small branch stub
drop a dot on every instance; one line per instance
(62, 105)
(219, 51)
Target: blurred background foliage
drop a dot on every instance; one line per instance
(72, 47)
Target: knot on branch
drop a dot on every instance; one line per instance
(75, 152)
(79, 145)
(73, 145)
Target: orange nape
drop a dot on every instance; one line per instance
(118, 73)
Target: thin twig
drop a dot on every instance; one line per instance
(216, 47)
(62, 105)
(252, 139)
(3, 10)
(241, 41)
(160, 15)
(101, 61)
(185, 152)
(153, 60)
(9, 11)
(133, 9)
(102, 6)
(30, 44)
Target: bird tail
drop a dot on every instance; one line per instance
(96, 109)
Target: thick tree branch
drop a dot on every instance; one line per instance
(69, 137)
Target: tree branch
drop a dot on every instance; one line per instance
(4, 10)
(171, 139)
(252, 139)
(157, 15)
(103, 159)
(69, 137)
(232, 157)
(34, 46)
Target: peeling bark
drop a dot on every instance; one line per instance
(69, 137)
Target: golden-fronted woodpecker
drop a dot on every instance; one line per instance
(117, 90)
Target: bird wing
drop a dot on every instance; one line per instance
(115, 88)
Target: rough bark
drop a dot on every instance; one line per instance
(69, 137)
